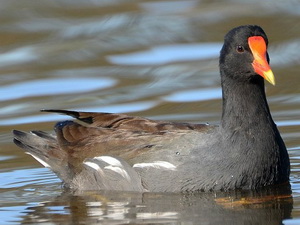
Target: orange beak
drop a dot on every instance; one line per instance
(260, 64)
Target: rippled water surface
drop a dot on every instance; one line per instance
(157, 59)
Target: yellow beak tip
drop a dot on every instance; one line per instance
(269, 76)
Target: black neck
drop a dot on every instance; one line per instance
(245, 105)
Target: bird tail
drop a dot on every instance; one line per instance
(44, 148)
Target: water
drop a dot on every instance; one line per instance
(157, 59)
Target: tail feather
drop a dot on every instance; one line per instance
(44, 135)
(44, 148)
(37, 139)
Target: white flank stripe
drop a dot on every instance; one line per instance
(92, 165)
(120, 171)
(157, 165)
(110, 160)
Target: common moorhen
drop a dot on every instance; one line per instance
(119, 152)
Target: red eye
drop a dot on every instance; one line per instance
(240, 48)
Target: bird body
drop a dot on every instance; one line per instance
(106, 151)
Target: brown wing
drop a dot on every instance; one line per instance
(100, 134)
(115, 135)
(122, 121)
(82, 142)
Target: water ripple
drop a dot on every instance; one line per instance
(118, 108)
(53, 87)
(21, 178)
(194, 95)
(168, 53)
